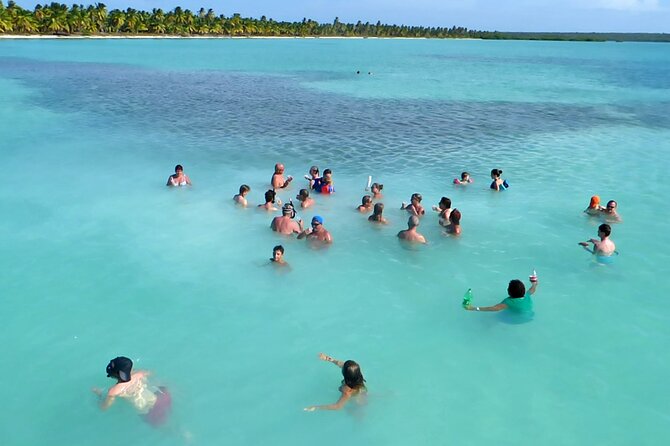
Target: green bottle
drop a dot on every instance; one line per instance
(467, 298)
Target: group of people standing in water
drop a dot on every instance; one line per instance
(154, 402)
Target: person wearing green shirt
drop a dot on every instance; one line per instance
(518, 300)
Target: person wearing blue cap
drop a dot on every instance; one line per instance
(317, 232)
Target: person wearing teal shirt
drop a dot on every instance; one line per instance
(518, 300)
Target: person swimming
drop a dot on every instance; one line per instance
(498, 183)
(465, 179)
(454, 226)
(594, 206)
(366, 204)
(304, 199)
(603, 249)
(376, 190)
(353, 383)
(377, 214)
(179, 178)
(270, 199)
(414, 207)
(517, 300)
(153, 403)
(444, 209)
(241, 198)
(278, 256)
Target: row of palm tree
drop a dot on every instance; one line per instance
(57, 18)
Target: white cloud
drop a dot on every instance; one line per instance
(629, 5)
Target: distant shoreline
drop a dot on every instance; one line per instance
(545, 37)
(163, 36)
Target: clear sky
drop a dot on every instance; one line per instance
(490, 15)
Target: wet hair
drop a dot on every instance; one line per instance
(353, 377)
(279, 248)
(612, 202)
(377, 185)
(446, 202)
(416, 196)
(455, 217)
(314, 169)
(178, 167)
(270, 196)
(120, 368)
(377, 212)
(413, 221)
(605, 229)
(244, 188)
(464, 174)
(496, 172)
(516, 289)
(304, 193)
(327, 172)
(366, 199)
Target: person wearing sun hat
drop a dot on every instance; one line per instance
(317, 233)
(153, 403)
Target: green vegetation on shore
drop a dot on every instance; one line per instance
(59, 19)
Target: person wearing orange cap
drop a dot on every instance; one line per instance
(594, 206)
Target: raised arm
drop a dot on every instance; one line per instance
(337, 362)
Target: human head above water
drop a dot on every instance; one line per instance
(516, 289)
(303, 195)
(270, 196)
(417, 197)
(445, 203)
(595, 202)
(244, 189)
(376, 186)
(455, 217)
(314, 170)
(366, 200)
(279, 168)
(317, 219)
(465, 176)
(120, 368)
(611, 205)
(605, 229)
(495, 173)
(413, 222)
(178, 168)
(353, 377)
(277, 253)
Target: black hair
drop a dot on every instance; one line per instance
(516, 289)
(353, 377)
(366, 199)
(244, 188)
(605, 229)
(327, 171)
(496, 172)
(178, 167)
(377, 185)
(279, 248)
(417, 196)
(446, 201)
(455, 217)
(304, 193)
(270, 196)
(463, 174)
(120, 368)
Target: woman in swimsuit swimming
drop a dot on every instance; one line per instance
(377, 214)
(444, 208)
(498, 183)
(179, 178)
(353, 383)
(154, 404)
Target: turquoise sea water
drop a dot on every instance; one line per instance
(100, 259)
